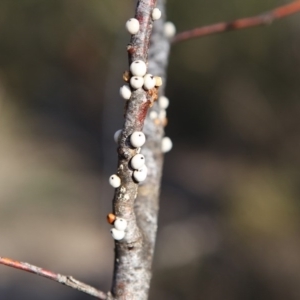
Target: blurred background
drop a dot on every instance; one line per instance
(229, 218)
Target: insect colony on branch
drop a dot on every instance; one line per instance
(139, 78)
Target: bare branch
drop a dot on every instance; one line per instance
(131, 274)
(66, 280)
(260, 20)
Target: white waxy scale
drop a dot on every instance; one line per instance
(120, 224)
(138, 68)
(141, 174)
(166, 144)
(117, 135)
(115, 181)
(125, 92)
(149, 81)
(153, 115)
(137, 161)
(117, 234)
(163, 102)
(132, 26)
(156, 14)
(137, 139)
(136, 82)
(169, 29)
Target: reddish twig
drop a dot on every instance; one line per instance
(260, 20)
(66, 280)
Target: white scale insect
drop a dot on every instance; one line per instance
(138, 68)
(137, 139)
(115, 181)
(132, 26)
(141, 174)
(149, 82)
(156, 14)
(137, 161)
(117, 234)
(136, 82)
(125, 92)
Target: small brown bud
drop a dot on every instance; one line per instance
(111, 218)
(157, 121)
(126, 76)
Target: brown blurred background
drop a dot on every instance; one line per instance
(229, 218)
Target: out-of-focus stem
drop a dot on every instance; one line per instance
(263, 19)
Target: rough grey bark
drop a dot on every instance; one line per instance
(133, 254)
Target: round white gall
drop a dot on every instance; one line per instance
(136, 82)
(125, 92)
(141, 174)
(163, 102)
(115, 181)
(120, 224)
(169, 29)
(117, 135)
(153, 115)
(117, 234)
(133, 26)
(137, 161)
(149, 82)
(156, 14)
(137, 139)
(166, 144)
(138, 68)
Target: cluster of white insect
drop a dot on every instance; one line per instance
(137, 78)
(118, 232)
(133, 25)
(161, 118)
(137, 163)
(138, 68)
(166, 143)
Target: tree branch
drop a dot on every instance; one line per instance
(66, 280)
(131, 274)
(260, 20)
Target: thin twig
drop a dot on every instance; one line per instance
(66, 280)
(260, 20)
